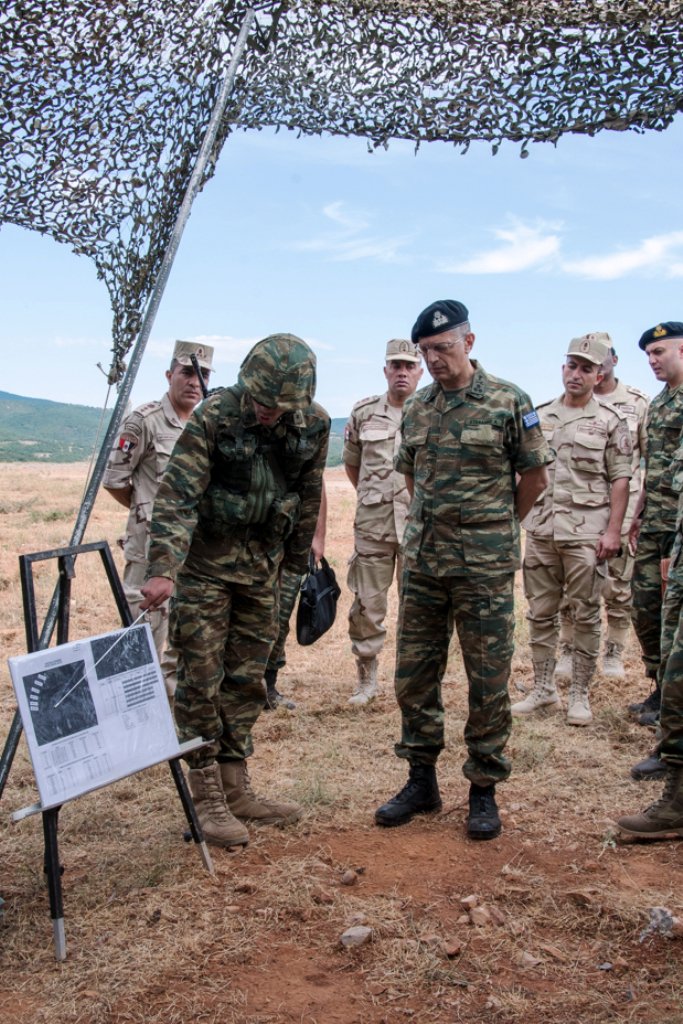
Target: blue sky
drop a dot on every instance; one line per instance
(344, 247)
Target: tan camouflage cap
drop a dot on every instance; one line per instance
(400, 349)
(594, 347)
(184, 349)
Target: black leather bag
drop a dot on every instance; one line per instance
(317, 606)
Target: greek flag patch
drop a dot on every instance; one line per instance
(530, 419)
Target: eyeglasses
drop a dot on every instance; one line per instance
(440, 348)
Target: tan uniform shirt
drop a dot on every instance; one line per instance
(633, 404)
(138, 459)
(592, 448)
(371, 441)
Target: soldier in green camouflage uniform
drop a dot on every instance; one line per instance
(474, 455)
(575, 526)
(653, 527)
(238, 502)
(665, 816)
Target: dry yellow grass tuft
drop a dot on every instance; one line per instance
(152, 938)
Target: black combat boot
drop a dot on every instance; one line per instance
(274, 699)
(420, 795)
(651, 767)
(650, 705)
(483, 821)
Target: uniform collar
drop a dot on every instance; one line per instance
(476, 388)
(169, 412)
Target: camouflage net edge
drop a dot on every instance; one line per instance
(103, 105)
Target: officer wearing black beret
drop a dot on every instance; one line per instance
(466, 440)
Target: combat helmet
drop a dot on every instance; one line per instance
(280, 371)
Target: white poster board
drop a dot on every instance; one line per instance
(94, 711)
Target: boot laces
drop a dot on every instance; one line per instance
(483, 801)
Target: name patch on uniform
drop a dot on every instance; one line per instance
(530, 419)
(127, 443)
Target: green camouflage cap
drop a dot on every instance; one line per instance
(279, 372)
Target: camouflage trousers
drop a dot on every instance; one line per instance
(288, 591)
(482, 609)
(223, 632)
(671, 676)
(553, 571)
(371, 572)
(133, 579)
(615, 590)
(647, 595)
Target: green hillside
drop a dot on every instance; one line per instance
(33, 430)
(36, 430)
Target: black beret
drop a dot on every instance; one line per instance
(443, 315)
(668, 329)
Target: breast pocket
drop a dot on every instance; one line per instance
(588, 453)
(481, 449)
(163, 446)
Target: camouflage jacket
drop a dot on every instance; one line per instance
(664, 423)
(371, 441)
(463, 449)
(634, 405)
(592, 448)
(238, 499)
(138, 460)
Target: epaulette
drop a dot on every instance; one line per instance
(544, 405)
(147, 409)
(366, 401)
(637, 392)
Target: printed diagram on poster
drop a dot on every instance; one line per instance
(93, 711)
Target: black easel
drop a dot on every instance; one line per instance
(66, 560)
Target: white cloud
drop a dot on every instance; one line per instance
(652, 254)
(522, 247)
(348, 240)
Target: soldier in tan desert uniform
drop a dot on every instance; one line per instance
(371, 441)
(615, 584)
(574, 526)
(136, 465)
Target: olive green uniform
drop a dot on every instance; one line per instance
(592, 448)
(658, 526)
(238, 501)
(138, 460)
(461, 548)
(371, 441)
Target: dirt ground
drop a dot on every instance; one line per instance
(547, 924)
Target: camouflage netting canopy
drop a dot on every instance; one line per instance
(104, 104)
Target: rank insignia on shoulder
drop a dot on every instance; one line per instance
(530, 419)
(127, 443)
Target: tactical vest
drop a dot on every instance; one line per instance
(255, 472)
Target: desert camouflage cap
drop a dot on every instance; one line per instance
(594, 347)
(184, 349)
(279, 371)
(402, 350)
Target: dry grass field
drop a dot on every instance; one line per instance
(152, 938)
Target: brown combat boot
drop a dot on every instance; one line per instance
(665, 816)
(544, 693)
(565, 662)
(219, 826)
(244, 803)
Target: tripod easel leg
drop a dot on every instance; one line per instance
(191, 813)
(54, 881)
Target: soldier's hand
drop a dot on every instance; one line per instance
(608, 545)
(155, 591)
(633, 535)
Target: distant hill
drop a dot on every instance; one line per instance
(36, 430)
